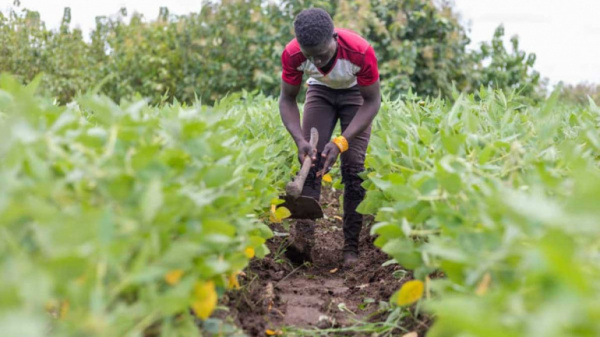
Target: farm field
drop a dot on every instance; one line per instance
(144, 163)
(135, 219)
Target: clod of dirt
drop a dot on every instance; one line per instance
(298, 254)
(302, 241)
(325, 322)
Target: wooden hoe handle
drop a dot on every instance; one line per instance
(294, 188)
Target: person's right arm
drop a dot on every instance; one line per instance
(290, 116)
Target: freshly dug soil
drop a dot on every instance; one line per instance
(319, 295)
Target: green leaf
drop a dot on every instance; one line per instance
(451, 182)
(387, 230)
(215, 226)
(277, 201)
(425, 135)
(402, 193)
(486, 154)
(403, 251)
(152, 200)
(453, 143)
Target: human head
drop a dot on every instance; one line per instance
(315, 34)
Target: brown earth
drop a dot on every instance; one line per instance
(319, 295)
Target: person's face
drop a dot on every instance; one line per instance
(321, 54)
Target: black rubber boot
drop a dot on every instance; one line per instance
(354, 194)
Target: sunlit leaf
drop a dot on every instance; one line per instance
(425, 135)
(282, 213)
(232, 281)
(277, 201)
(410, 292)
(204, 299)
(152, 200)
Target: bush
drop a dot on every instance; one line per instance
(236, 45)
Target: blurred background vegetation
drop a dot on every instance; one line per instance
(234, 45)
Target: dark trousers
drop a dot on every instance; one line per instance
(323, 108)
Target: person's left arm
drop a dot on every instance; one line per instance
(365, 114)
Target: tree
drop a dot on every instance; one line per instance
(234, 45)
(498, 68)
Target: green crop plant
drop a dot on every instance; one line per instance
(502, 199)
(118, 218)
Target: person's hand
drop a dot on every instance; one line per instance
(329, 155)
(305, 149)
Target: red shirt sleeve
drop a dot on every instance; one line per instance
(290, 74)
(369, 72)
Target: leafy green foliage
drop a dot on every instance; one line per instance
(126, 215)
(119, 217)
(116, 218)
(27, 49)
(236, 45)
(507, 70)
(420, 45)
(502, 198)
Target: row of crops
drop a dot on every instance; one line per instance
(504, 200)
(116, 219)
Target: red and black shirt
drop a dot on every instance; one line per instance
(355, 63)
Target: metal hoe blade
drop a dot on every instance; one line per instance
(302, 207)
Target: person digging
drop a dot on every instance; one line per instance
(343, 84)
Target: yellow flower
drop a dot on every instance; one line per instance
(249, 251)
(173, 276)
(205, 299)
(327, 178)
(410, 292)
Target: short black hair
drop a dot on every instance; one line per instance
(313, 26)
